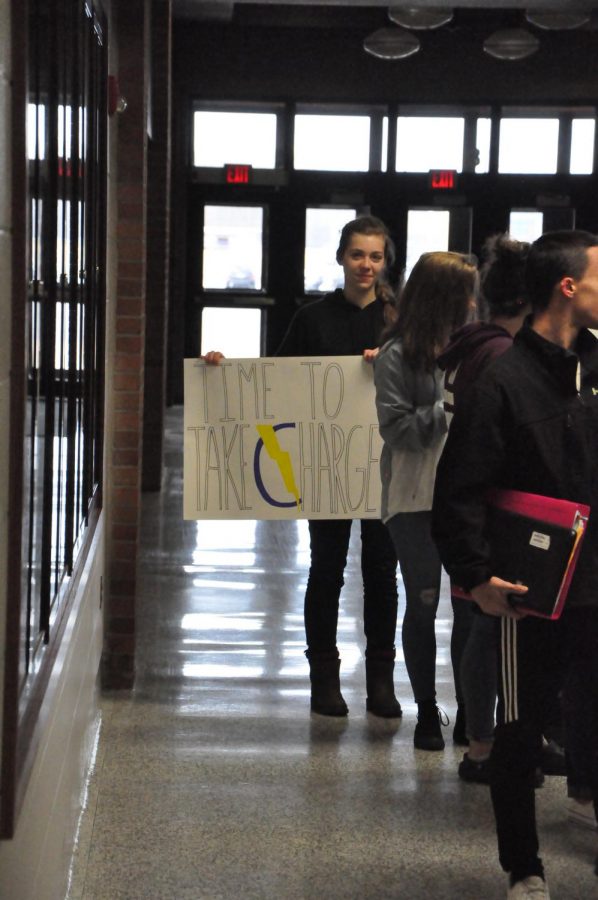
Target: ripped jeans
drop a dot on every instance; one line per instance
(421, 571)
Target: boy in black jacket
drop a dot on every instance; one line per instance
(531, 424)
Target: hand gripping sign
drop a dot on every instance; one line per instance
(284, 438)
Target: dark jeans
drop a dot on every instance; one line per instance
(464, 616)
(536, 658)
(421, 571)
(329, 543)
(478, 673)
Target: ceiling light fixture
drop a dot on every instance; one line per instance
(414, 17)
(556, 21)
(391, 43)
(511, 43)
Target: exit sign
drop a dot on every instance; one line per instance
(443, 179)
(237, 174)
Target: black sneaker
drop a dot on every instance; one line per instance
(428, 735)
(474, 770)
(478, 771)
(552, 760)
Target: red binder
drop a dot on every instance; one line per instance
(535, 541)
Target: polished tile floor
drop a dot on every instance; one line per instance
(212, 781)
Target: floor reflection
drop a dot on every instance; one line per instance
(214, 782)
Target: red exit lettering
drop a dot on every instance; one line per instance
(238, 174)
(443, 179)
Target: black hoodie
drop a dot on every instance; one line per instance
(333, 326)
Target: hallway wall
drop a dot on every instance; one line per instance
(53, 757)
(5, 302)
(35, 862)
(34, 865)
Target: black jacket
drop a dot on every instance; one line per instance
(524, 426)
(333, 327)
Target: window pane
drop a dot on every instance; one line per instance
(384, 161)
(234, 137)
(232, 248)
(332, 143)
(482, 142)
(426, 142)
(69, 240)
(582, 146)
(66, 300)
(528, 146)
(235, 332)
(427, 229)
(36, 124)
(66, 115)
(526, 225)
(322, 233)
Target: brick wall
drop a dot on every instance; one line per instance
(137, 380)
(124, 453)
(158, 212)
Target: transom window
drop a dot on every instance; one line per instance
(356, 139)
(221, 137)
(583, 132)
(429, 142)
(332, 142)
(528, 146)
(482, 142)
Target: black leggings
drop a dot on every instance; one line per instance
(329, 543)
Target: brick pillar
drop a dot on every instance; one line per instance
(158, 212)
(124, 454)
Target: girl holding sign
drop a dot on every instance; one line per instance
(345, 322)
(438, 298)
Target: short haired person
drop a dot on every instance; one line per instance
(531, 424)
(502, 308)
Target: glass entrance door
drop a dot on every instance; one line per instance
(431, 229)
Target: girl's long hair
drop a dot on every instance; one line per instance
(435, 301)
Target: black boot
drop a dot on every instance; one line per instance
(326, 697)
(381, 700)
(428, 735)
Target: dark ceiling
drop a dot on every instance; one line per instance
(366, 13)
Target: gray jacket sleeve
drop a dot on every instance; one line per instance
(409, 403)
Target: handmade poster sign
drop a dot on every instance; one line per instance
(281, 438)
